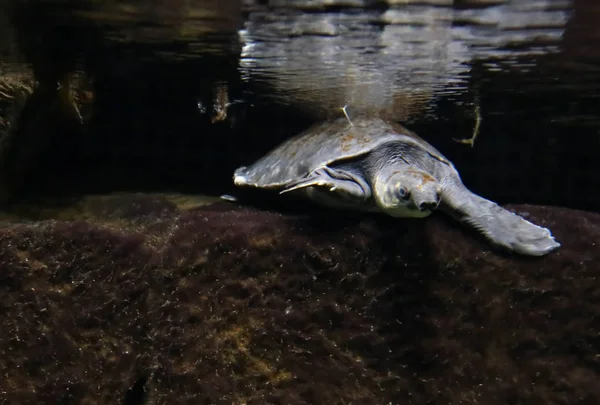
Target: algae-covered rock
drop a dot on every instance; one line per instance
(160, 300)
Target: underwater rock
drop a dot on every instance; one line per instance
(148, 299)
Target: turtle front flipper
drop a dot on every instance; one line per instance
(500, 226)
(341, 182)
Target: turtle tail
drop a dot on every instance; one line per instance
(498, 225)
(240, 176)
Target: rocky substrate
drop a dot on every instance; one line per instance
(141, 299)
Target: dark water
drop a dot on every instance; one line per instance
(173, 95)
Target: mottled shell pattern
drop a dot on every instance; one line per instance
(324, 144)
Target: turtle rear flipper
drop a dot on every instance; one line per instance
(500, 226)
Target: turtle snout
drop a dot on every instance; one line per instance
(427, 201)
(428, 206)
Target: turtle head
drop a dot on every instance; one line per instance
(404, 191)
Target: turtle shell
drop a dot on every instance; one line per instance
(324, 144)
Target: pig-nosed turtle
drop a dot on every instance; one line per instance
(374, 165)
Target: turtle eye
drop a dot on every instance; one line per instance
(403, 192)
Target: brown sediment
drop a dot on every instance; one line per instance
(223, 304)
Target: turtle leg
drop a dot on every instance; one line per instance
(341, 182)
(498, 225)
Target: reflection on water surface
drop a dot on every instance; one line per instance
(395, 56)
(375, 57)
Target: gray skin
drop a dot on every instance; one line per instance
(374, 165)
